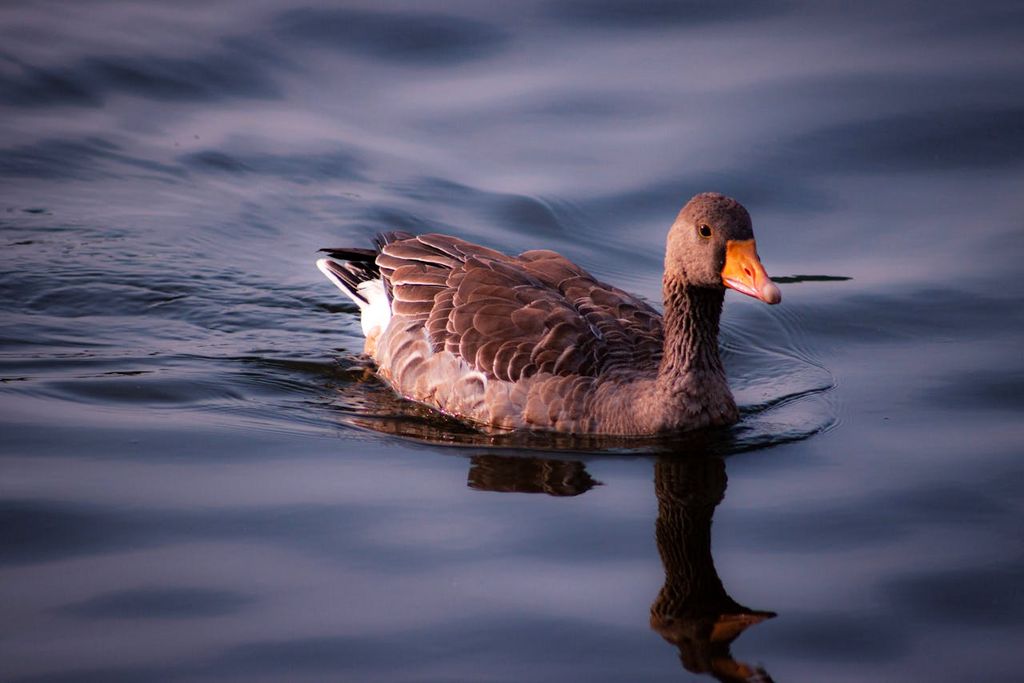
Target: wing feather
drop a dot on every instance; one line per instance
(512, 317)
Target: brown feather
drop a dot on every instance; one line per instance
(457, 248)
(419, 274)
(529, 321)
(413, 250)
(492, 319)
(413, 309)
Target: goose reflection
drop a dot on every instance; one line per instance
(529, 475)
(692, 611)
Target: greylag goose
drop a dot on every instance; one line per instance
(534, 342)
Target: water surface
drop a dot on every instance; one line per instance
(199, 481)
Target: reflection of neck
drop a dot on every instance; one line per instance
(693, 611)
(687, 496)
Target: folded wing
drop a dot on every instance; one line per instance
(513, 317)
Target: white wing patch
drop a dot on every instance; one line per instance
(377, 311)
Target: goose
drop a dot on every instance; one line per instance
(535, 342)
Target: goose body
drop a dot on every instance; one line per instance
(535, 342)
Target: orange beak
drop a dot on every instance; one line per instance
(744, 273)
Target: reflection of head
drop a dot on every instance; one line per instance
(529, 475)
(693, 611)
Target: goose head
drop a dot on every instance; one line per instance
(711, 244)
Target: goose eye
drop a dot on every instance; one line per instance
(704, 230)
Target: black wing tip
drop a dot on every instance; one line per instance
(360, 264)
(358, 254)
(354, 254)
(349, 275)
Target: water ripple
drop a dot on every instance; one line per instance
(409, 37)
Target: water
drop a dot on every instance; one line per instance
(200, 482)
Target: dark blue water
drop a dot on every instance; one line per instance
(199, 481)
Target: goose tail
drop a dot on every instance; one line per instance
(356, 274)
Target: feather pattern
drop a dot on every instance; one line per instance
(512, 318)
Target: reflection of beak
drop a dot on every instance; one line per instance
(744, 273)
